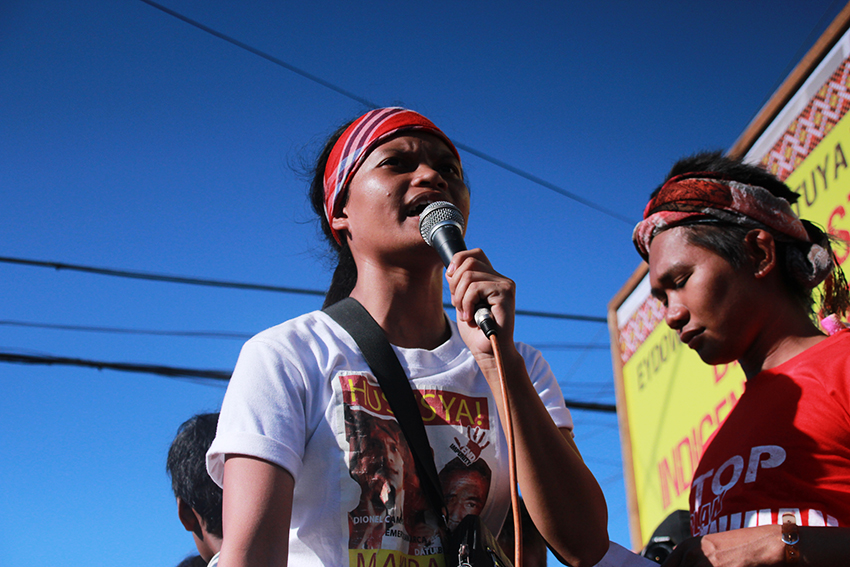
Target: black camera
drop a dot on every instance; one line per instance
(670, 533)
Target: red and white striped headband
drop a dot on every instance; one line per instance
(361, 137)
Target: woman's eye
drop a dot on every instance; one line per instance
(680, 283)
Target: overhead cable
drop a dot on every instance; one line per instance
(226, 334)
(242, 285)
(160, 370)
(176, 372)
(370, 104)
(124, 331)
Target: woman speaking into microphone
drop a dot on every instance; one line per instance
(314, 467)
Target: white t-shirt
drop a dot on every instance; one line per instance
(303, 397)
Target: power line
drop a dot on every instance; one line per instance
(160, 277)
(370, 104)
(591, 406)
(170, 371)
(177, 372)
(264, 55)
(242, 285)
(224, 334)
(567, 346)
(125, 331)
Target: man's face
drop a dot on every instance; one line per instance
(465, 493)
(713, 307)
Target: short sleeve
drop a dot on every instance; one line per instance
(263, 412)
(546, 385)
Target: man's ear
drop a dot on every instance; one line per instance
(761, 248)
(187, 516)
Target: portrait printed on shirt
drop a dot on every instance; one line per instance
(392, 515)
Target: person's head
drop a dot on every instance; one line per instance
(198, 497)
(465, 489)
(725, 228)
(373, 178)
(380, 457)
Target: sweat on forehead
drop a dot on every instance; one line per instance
(359, 139)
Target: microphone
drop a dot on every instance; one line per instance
(441, 226)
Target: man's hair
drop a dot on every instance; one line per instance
(456, 465)
(732, 169)
(193, 561)
(727, 239)
(186, 464)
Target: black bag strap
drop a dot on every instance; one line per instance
(380, 356)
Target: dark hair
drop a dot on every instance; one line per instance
(456, 465)
(193, 561)
(186, 464)
(732, 169)
(727, 239)
(345, 275)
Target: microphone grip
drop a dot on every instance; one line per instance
(447, 241)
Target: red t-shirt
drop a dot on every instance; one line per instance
(785, 447)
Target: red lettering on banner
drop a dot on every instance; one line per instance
(665, 476)
(722, 369)
(436, 407)
(677, 476)
(843, 235)
(685, 454)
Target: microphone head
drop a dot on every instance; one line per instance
(437, 215)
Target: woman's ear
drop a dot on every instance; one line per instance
(339, 222)
(761, 248)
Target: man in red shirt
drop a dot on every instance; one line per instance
(735, 269)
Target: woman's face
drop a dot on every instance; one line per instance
(715, 309)
(392, 186)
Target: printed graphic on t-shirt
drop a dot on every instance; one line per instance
(393, 522)
(738, 477)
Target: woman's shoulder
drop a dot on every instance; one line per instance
(301, 328)
(311, 332)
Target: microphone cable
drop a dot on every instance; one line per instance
(509, 434)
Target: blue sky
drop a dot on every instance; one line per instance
(132, 140)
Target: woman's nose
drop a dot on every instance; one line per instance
(430, 176)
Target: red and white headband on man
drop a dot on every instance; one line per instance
(700, 197)
(692, 197)
(362, 136)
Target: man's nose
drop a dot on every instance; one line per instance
(676, 316)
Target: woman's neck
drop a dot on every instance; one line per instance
(407, 305)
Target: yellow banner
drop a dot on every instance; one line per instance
(823, 182)
(675, 403)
